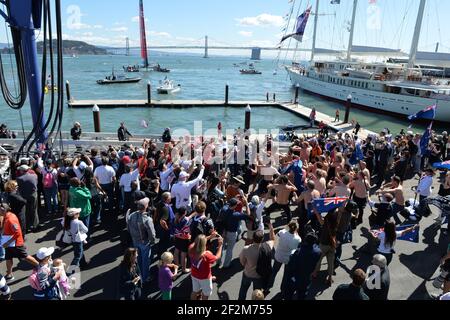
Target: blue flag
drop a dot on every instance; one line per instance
(442, 165)
(425, 140)
(300, 27)
(428, 113)
(327, 204)
(412, 236)
(357, 155)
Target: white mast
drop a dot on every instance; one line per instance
(352, 31)
(416, 37)
(316, 19)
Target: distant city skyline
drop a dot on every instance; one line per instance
(382, 23)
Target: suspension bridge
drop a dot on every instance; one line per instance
(205, 45)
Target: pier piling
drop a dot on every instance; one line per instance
(69, 97)
(227, 91)
(297, 89)
(149, 93)
(96, 114)
(348, 106)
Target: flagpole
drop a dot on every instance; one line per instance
(316, 20)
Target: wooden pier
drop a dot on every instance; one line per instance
(296, 109)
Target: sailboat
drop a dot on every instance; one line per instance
(389, 87)
(144, 52)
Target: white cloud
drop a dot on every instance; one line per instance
(97, 26)
(119, 29)
(136, 19)
(246, 33)
(87, 34)
(264, 19)
(161, 34)
(78, 26)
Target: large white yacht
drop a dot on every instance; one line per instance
(397, 88)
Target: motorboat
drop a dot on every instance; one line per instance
(249, 71)
(113, 79)
(167, 87)
(158, 68)
(130, 68)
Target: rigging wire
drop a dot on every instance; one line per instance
(15, 102)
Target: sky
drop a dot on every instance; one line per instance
(383, 23)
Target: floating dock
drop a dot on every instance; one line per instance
(297, 109)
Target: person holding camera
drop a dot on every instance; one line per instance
(130, 281)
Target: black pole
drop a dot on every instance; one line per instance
(348, 106)
(69, 97)
(96, 113)
(248, 116)
(149, 93)
(227, 91)
(297, 89)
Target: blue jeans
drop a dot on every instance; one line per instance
(2, 253)
(51, 199)
(144, 254)
(245, 284)
(96, 203)
(78, 254)
(229, 243)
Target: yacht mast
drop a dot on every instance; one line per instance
(352, 31)
(416, 37)
(316, 19)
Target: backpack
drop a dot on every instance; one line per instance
(34, 281)
(264, 263)
(221, 219)
(198, 227)
(48, 180)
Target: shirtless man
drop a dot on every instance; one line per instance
(307, 197)
(339, 187)
(283, 189)
(396, 190)
(363, 168)
(361, 187)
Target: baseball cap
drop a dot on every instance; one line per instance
(73, 211)
(144, 201)
(44, 253)
(82, 165)
(183, 175)
(126, 160)
(24, 167)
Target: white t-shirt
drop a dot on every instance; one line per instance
(383, 248)
(287, 243)
(104, 174)
(127, 178)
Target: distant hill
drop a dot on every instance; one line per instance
(71, 47)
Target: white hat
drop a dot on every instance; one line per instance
(24, 167)
(82, 165)
(183, 175)
(140, 151)
(71, 212)
(44, 253)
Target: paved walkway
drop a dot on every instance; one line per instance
(412, 269)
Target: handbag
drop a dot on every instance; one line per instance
(63, 238)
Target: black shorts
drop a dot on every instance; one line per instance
(182, 244)
(16, 252)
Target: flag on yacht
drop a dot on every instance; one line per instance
(300, 27)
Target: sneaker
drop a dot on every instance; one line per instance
(9, 278)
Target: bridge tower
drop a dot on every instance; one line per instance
(206, 47)
(127, 51)
(256, 54)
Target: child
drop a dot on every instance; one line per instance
(63, 282)
(166, 276)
